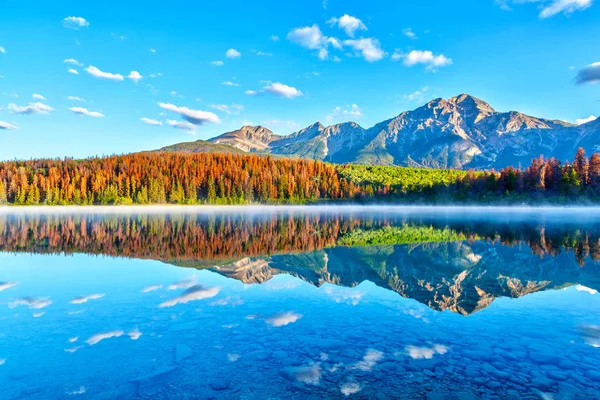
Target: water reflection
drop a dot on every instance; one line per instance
(448, 262)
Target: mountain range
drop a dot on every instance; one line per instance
(461, 132)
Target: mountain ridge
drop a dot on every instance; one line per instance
(461, 132)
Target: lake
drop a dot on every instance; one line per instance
(299, 302)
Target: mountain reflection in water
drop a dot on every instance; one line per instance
(448, 262)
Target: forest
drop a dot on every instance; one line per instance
(219, 178)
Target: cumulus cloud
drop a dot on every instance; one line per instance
(274, 38)
(350, 388)
(369, 48)
(155, 123)
(135, 76)
(73, 61)
(135, 334)
(417, 353)
(38, 97)
(283, 319)
(417, 95)
(590, 74)
(194, 293)
(233, 109)
(73, 71)
(103, 75)
(369, 360)
(151, 288)
(75, 98)
(429, 59)
(312, 38)
(282, 90)
(217, 63)
(86, 112)
(31, 302)
(251, 92)
(183, 125)
(7, 126)
(408, 32)
(98, 337)
(31, 108)
(75, 23)
(229, 83)
(196, 117)
(85, 299)
(233, 54)
(7, 285)
(2, 50)
(310, 375)
(347, 112)
(581, 121)
(348, 23)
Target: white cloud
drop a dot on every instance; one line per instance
(72, 61)
(196, 117)
(217, 63)
(75, 98)
(86, 112)
(85, 299)
(186, 126)
(233, 357)
(369, 48)
(282, 90)
(229, 83)
(590, 74)
(183, 284)
(38, 314)
(408, 32)
(348, 23)
(2, 50)
(233, 54)
(6, 285)
(262, 53)
(152, 51)
(274, 38)
(38, 97)
(31, 108)
(251, 92)
(97, 338)
(77, 392)
(151, 288)
(370, 359)
(151, 122)
(549, 8)
(425, 352)
(73, 71)
(7, 126)
(279, 124)
(2, 361)
(312, 38)
(581, 121)
(233, 109)
(135, 76)
(425, 57)
(135, 334)
(103, 75)
(350, 388)
(75, 23)
(197, 292)
(417, 96)
(283, 319)
(349, 111)
(31, 302)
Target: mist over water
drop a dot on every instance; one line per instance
(300, 301)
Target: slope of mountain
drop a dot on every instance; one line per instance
(461, 132)
(201, 146)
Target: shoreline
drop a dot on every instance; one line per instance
(321, 208)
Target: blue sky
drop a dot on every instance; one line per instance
(195, 69)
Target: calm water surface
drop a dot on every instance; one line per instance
(299, 303)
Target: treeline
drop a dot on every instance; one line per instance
(217, 178)
(160, 178)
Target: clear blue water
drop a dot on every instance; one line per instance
(488, 316)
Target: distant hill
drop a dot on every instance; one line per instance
(461, 132)
(200, 146)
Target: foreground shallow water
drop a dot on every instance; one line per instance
(280, 303)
